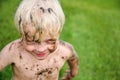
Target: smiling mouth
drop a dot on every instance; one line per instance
(41, 54)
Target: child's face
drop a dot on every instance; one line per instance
(40, 49)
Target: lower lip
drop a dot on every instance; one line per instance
(41, 54)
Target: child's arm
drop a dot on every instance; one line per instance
(5, 57)
(73, 64)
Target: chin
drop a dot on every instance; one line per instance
(41, 58)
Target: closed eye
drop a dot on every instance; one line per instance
(51, 41)
(30, 43)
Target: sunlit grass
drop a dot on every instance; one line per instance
(92, 26)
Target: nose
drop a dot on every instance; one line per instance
(41, 48)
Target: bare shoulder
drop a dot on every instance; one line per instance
(7, 54)
(11, 46)
(67, 49)
(66, 45)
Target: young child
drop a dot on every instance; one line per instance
(39, 54)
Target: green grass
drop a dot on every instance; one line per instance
(92, 26)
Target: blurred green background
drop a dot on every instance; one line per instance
(92, 26)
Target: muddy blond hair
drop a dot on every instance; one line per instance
(43, 14)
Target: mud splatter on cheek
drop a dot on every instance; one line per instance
(52, 48)
(57, 68)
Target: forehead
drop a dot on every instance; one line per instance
(34, 33)
(46, 37)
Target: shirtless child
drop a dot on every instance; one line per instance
(39, 54)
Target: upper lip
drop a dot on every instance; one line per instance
(38, 52)
(41, 53)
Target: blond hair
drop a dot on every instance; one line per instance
(43, 14)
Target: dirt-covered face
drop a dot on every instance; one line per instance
(39, 45)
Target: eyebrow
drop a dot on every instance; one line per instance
(51, 39)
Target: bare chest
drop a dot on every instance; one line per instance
(38, 70)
